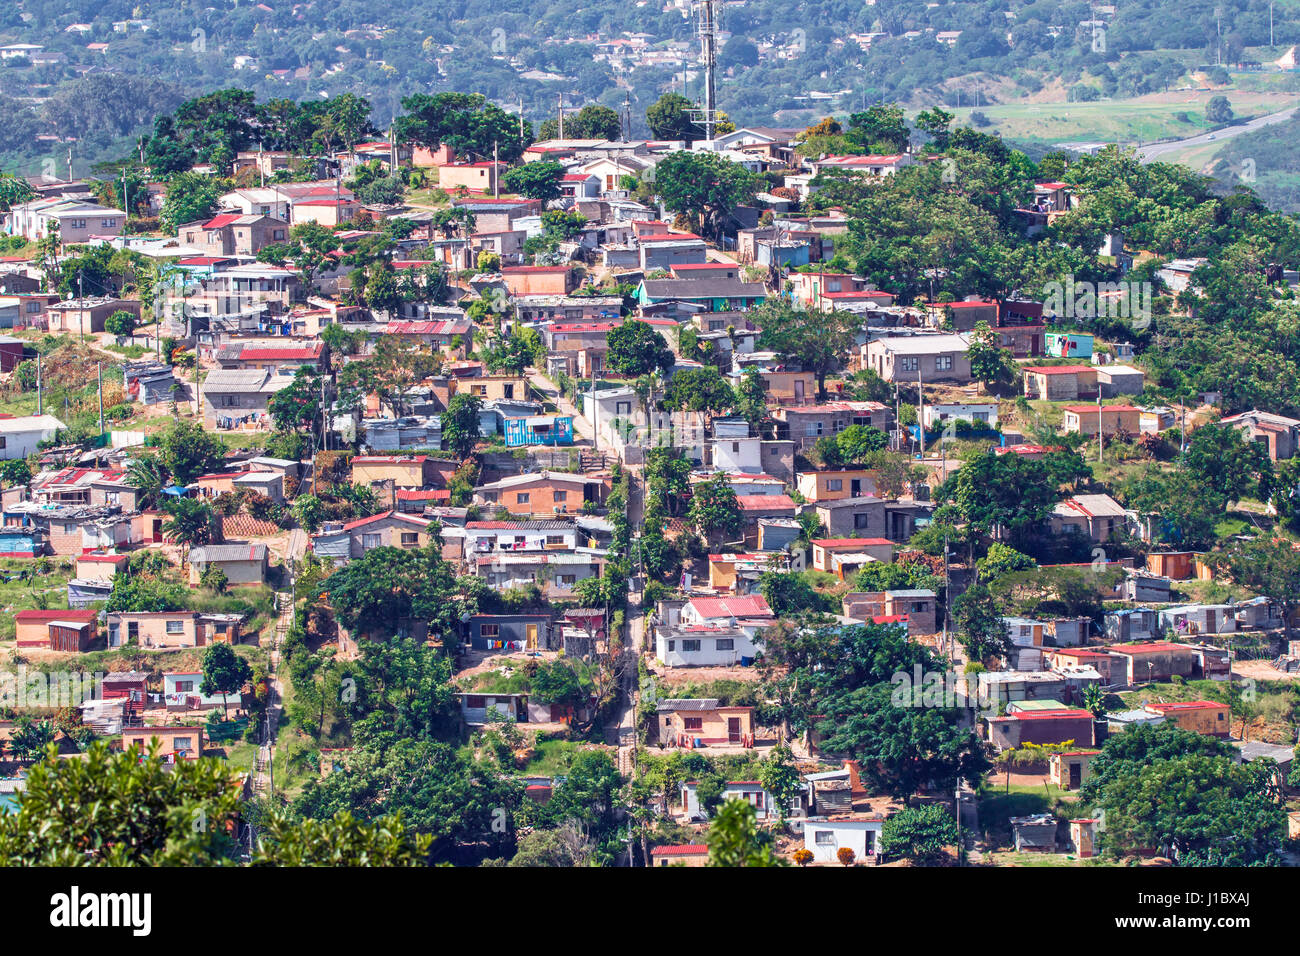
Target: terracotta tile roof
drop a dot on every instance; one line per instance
(246, 526)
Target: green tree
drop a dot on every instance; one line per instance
(190, 523)
(922, 834)
(669, 119)
(540, 180)
(121, 323)
(979, 621)
(817, 341)
(1266, 565)
(990, 364)
(1218, 110)
(187, 451)
(460, 423)
(781, 778)
(735, 840)
(467, 122)
(714, 510)
(1229, 464)
(15, 471)
(593, 121)
(901, 748)
(190, 197)
(857, 443)
(698, 390)
(705, 187)
(224, 672)
(635, 348)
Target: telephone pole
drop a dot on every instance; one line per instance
(99, 379)
(1101, 428)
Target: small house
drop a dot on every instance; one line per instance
(704, 722)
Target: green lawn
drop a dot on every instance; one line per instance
(48, 590)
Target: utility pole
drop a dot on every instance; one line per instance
(1270, 23)
(920, 409)
(40, 397)
(521, 119)
(561, 98)
(496, 172)
(81, 307)
(99, 380)
(69, 164)
(1101, 428)
(126, 200)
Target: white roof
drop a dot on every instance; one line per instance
(30, 423)
(924, 344)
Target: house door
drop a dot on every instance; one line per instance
(855, 488)
(733, 730)
(1076, 776)
(798, 390)
(531, 630)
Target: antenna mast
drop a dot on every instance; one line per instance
(706, 28)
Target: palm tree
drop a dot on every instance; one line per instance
(189, 523)
(150, 477)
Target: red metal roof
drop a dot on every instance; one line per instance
(1058, 369)
(681, 849)
(302, 352)
(751, 605)
(37, 616)
(434, 494)
(764, 502)
(849, 542)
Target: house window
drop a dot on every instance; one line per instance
(559, 496)
(622, 408)
(278, 235)
(475, 702)
(835, 484)
(672, 645)
(824, 838)
(567, 580)
(910, 363)
(410, 539)
(77, 223)
(184, 686)
(735, 447)
(108, 223)
(175, 627)
(521, 498)
(693, 723)
(862, 521)
(726, 644)
(812, 428)
(942, 363)
(181, 743)
(688, 646)
(489, 630)
(369, 541)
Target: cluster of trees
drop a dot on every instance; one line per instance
(838, 681)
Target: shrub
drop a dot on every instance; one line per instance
(845, 856)
(803, 857)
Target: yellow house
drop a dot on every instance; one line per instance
(404, 471)
(724, 568)
(835, 485)
(493, 388)
(703, 722)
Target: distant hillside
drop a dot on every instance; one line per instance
(782, 62)
(1267, 161)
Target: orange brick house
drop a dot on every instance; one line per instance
(543, 493)
(176, 742)
(703, 722)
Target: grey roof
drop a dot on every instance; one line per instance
(228, 552)
(129, 676)
(695, 703)
(244, 381)
(703, 288)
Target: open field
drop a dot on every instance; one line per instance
(1138, 120)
